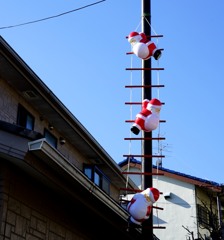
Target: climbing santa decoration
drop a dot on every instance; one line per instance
(142, 47)
(148, 119)
(141, 204)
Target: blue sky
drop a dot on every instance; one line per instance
(81, 57)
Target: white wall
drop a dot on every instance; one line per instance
(179, 209)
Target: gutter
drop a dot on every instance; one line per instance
(41, 147)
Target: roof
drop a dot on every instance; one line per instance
(188, 178)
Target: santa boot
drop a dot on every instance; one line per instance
(157, 54)
(135, 130)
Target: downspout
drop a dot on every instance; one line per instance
(219, 211)
(196, 210)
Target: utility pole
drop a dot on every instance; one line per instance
(147, 230)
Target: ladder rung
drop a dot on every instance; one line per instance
(152, 36)
(133, 103)
(135, 190)
(147, 138)
(136, 103)
(144, 173)
(143, 86)
(145, 69)
(159, 208)
(131, 121)
(131, 189)
(146, 156)
(149, 227)
(128, 53)
(127, 201)
(154, 227)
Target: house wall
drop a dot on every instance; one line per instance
(203, 199)
(29, 210)
(179, 210)
(9, 100)
(8, 103)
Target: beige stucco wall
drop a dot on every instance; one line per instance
(203, 198)
(9, 100)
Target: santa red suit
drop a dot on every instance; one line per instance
(148, 119)
(140, 205)
(142, 47)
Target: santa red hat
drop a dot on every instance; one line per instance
(134, 37)
(133, 34)
(155, 103)
(153, 194)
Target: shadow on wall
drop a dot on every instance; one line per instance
(157, 220)
(173, 198)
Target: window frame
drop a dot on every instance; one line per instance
(50, 138)
(24, 118)
(203, 216)
(103, 182)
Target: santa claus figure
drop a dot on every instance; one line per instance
(140, 205)
(142, 47)
(148, 119)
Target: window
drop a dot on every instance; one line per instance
(98, 177)
(88, 172)
(203, 216)
(51, 139)
(24, 118)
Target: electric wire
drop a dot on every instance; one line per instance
(55, 16)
